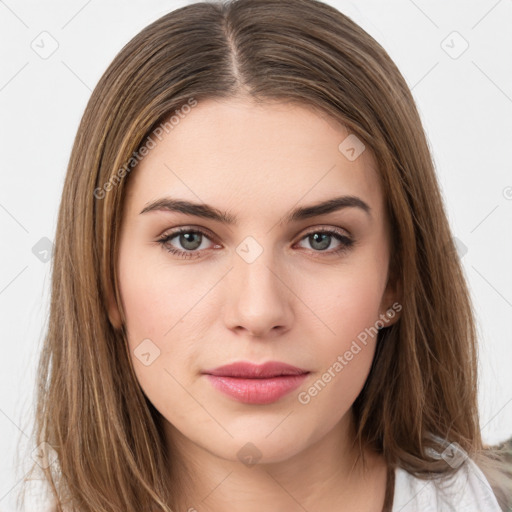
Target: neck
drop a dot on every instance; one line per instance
(328, 475)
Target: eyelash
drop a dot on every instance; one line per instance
(346, 242)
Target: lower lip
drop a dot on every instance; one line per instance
(257, 391)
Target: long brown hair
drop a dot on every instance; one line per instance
(90, 408)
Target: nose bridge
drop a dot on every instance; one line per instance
(258, 297)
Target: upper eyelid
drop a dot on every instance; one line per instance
(187, 229)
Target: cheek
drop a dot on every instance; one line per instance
(347, 301)
(144, 307)
(166, 321)
(348, 304)
(153, 315)
(157, 298)
(358, 309)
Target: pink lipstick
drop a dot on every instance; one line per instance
(256, 384)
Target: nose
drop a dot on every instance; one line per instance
(258, 301)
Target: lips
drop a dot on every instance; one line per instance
(256, 384)
(253, 371)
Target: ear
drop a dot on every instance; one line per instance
(391, 304)
(113, 311)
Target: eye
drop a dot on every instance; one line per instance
(191, 241)
(321, 239)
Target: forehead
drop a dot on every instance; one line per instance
(254, 157)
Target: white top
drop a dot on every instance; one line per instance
(465, 491)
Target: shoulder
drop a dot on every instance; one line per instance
(467, 490)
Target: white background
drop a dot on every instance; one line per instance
(465, 104)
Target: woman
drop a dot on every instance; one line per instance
(256, 302)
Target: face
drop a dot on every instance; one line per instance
(246, 280)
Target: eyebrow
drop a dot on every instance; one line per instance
(209, 212)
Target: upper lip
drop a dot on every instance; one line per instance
(249, 370)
